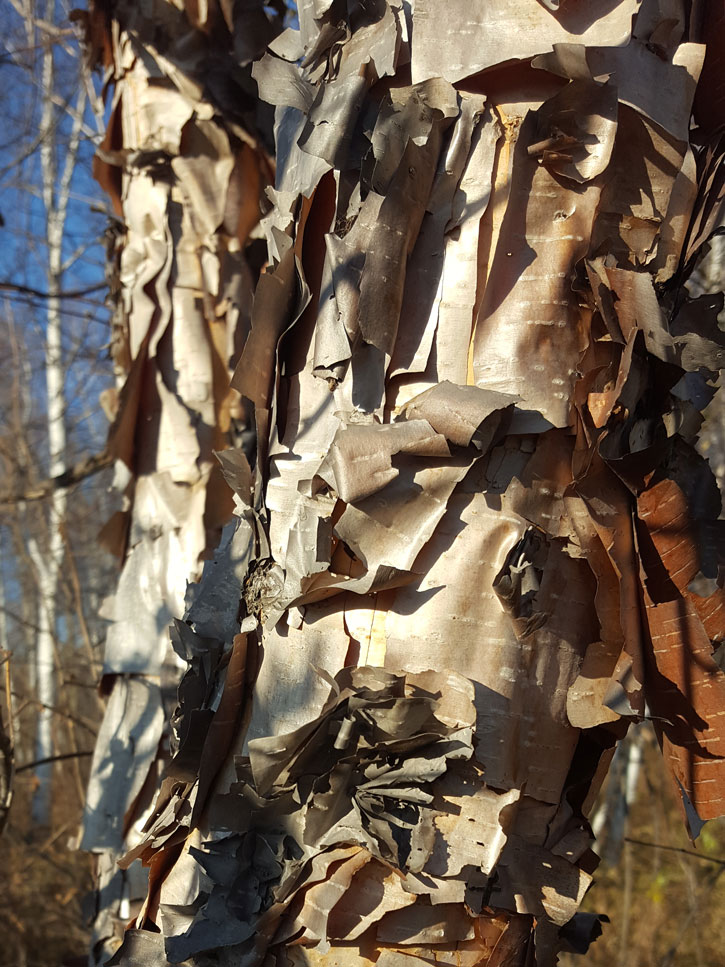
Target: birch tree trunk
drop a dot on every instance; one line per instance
(48, 559)
(479, 539)
(185, 175)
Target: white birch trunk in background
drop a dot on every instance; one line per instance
(610, 820)
(48, 559)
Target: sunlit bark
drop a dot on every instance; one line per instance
(185, 173)
(475, 540)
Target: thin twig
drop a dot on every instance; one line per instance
(677, 849)
(90, 728)
(80, 614)
(53, 758)
(61, 294)
(79, 471)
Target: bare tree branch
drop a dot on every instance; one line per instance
(39, 294)
(676, 849)
(79, 471)
(52, 758)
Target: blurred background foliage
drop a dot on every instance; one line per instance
(663, 897)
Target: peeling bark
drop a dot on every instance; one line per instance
(475, 540)
(185, 171)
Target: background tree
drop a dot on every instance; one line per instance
(51, 275)
(53, 362)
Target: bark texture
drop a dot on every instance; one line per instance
(475, 541)
(185, 173)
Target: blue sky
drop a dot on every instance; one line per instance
(23, 250)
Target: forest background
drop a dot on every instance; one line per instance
(56, 396)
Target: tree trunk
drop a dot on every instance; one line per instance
(479, 538)
(185, 178)
(48, 560)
